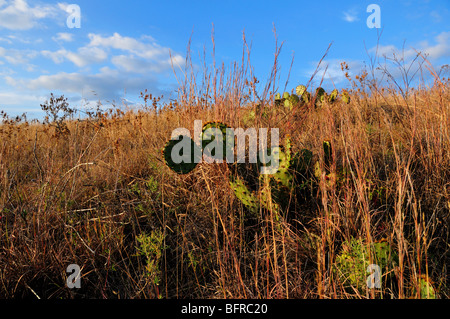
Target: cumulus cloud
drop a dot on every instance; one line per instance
(145, 48)
(440, 49)
(136, 55)
(83, 57)
(105, 85)
(18, 15)
(117, 64)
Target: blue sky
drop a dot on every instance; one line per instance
(122, 47)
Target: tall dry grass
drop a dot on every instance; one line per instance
(99, 195)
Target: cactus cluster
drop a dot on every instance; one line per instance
(274, 190)
(196, 151)
(270, 191)
(302, 96)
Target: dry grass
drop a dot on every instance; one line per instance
(99, 195)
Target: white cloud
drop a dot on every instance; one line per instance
(434, 52)
(350, 15)
(141, 55)
(135, 64)
(83, 57)
(123, 64)
(116, 41)
(107, 84)
(441, 49)
(146, 50)
(63, 36)
(18, 15)
(17, 57)
(18, 99)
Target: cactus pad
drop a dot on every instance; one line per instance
(182, 168)
(208, 137)
(345, 96)
(300, 90)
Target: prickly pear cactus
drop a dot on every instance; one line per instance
(291, 101)
(193, 157)
(300, 90)
(306, 97)
(209, 138)
(328, 152)
(247, 197)
(426, 289)
(288, 104)
(353, 262)
(333, 96)
(320, 96)
(283, 175)
(345, 96)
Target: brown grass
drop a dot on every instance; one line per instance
(90, 195)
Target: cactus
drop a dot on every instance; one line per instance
(208, 137)
(291, 101)
(327, 150)
(288, 104)
(278, 99)
(283, 176)
(300, 90)
(327, 153)
(306, 97)
(294, 99)
(426, 289)
(303, 96)
(345, 96)
(333, 96)
(353, 261)
(320, 96)
(274, 190)
(183, 167)
(246, 197)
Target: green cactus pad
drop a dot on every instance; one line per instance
(345, 96)
(286, 95)
(426, 289)
(294, 99)
(320, 96)
(306, 97)
(328, 152)
(333, 96)
(320, 91)
(207, 137)
(182, 168)
(356, 256)
(300, 90)
(247, 198)
(277, 96)
(288, 104)
(283, 175)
